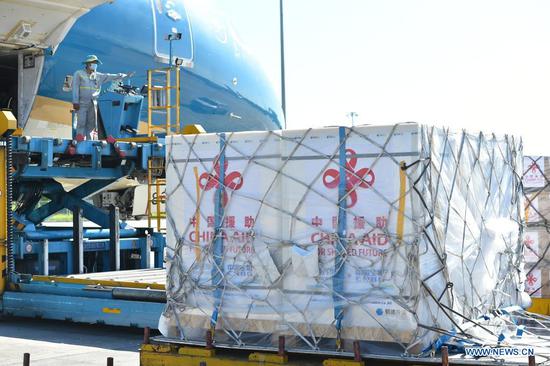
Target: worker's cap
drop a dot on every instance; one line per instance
(91, 58)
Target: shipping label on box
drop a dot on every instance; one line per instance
(533, 176)
(531, 246)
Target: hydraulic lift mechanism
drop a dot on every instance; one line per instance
(47, 270)
(41, 164)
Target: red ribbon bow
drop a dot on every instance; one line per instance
(363, 178)
(232, 180)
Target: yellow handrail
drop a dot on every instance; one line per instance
(169, 97)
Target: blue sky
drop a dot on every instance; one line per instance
(465, 64)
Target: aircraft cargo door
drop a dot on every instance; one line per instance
(169, 17)
(40, 24)
(29, 29)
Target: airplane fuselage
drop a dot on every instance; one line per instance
(223, 87)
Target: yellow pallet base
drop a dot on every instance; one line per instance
(342, 362)
(540, 306)
(167, 355)
(170, 355)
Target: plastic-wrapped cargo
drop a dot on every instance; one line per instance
(391, 235)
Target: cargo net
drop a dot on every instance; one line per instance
(401, 237)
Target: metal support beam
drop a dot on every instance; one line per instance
(61, 199)
(46, 154)
(45, 258)
(145, 252)
(96, 157)
(35, 172)
(114, 237)
(159, 244)
(91, 212)
(78, 240)
(86, 148)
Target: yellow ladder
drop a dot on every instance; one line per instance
(163, 97)
(156, 193)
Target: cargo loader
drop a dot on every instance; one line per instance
(48, 270)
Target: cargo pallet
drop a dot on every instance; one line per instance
(160, 351)
(540, 306)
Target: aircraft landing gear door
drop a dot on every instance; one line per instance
(170, 17)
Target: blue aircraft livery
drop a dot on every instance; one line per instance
(222, 86)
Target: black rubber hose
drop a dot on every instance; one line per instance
(9, 207)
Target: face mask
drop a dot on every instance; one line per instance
(93, 67)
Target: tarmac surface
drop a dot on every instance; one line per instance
(63, 343)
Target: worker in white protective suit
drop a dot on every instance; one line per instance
(86, 89)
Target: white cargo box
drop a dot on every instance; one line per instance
(376, 233)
